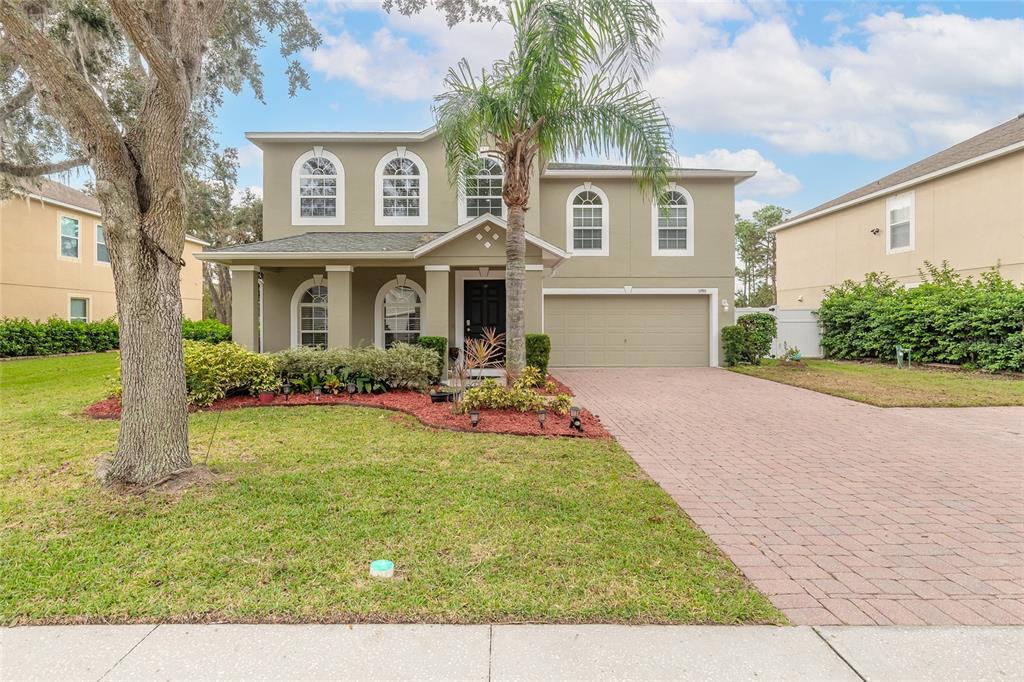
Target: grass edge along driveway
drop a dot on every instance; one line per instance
(886, 386)
(482, 528)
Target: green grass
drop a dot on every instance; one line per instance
(482, 528)
(887, 386)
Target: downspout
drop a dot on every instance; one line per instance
(259, 290)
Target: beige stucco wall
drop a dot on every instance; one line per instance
(37, 282)
(973, 218)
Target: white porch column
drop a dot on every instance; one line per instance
(339, 305)
(245, 329)
(534, 299)
(437, 320)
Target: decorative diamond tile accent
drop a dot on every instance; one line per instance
(487, 245)
(479, 236)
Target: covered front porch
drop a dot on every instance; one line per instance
(342, 289)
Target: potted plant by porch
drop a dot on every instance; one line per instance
(442, 394)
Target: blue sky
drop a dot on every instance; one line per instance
(818, 97)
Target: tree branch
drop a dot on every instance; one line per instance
(136, 23)
(20, 99)
(36, 169)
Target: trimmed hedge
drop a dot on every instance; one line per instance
(750, 339)
(948, 318)
(400, 366)
(438, 344)
(538, 352)
(215, 370)
(21, 337)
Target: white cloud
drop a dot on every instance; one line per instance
(250, 155)
(930, 79)
(746, 207)
(769, 181)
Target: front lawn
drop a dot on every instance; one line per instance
(482, 528)
(887, 386)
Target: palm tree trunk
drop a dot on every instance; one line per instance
(515, 291)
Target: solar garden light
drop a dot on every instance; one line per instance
(351, 388)
(474, 417)
(542, 414)
(316, 392)
(286, 388)
(574, 419)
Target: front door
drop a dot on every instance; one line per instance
(484, 306)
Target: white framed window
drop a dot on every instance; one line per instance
(69, 237)
(102, 253)
(899, 223)
(318, 189)
(586, 220)
(312, 314)
(398, 313)
(400, 195)
(672, 223)
(78, 309)
(482, 191)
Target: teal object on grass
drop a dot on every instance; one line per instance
(381, 565)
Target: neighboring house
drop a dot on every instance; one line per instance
(368, 243)
(964, 205)
(54, 260)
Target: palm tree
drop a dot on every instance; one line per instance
(569, 87)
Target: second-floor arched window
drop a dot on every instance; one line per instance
(401, 189)
(318, 189)
(587, 221)
(482, 192)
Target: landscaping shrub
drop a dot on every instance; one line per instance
(215, 370)
(519, 396)
(948, 318)
(538, 352)
(22, 337)
(439, 344)
(761, 330)
(734, 343)
(402, 365)
(211, 331)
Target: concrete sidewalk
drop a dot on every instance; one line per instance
(508, 652)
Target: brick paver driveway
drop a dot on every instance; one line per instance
(839, 511)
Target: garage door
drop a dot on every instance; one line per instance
(627, 331)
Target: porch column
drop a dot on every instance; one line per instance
(245, 304)
(339, 306)
(437, 304)
(534, 299)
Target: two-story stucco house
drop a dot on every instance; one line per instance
(964, 205)
(54, 260)
(366, 242)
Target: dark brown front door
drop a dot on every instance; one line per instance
(484, 306)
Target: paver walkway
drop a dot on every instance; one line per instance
(488, 653)
(839, 511)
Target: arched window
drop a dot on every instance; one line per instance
(401, 189)
(399, 313)
(587, 221)
(318, 189)
(312, 317)
(671, 223)
(483, 190)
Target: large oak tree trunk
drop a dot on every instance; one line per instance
(515, 291)
(153, 439)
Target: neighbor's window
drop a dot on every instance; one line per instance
(899, 230)
(402, 315)
(673, 232)
(102, 254)
(401, 181)
(78, 310)
(313, 317)
(68, 237)
(318, 189)
(588, 222)
(483, 189)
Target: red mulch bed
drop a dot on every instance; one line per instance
(419, 405)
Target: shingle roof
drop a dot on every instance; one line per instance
(55, 191)
(1001, 136)
(336, 242)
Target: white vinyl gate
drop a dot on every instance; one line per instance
(797, 328)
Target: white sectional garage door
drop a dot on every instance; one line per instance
(627, 331)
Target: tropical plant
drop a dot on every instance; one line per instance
(538, 352)
(570, 86)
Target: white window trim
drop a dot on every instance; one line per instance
(378, 190)
(900, 198)
(96, 245)
(378, 308)
(339, 217)
(688, 251)
(294, 308)
(463, 217)
(605, 211)
(88, 305)
(60, 238)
